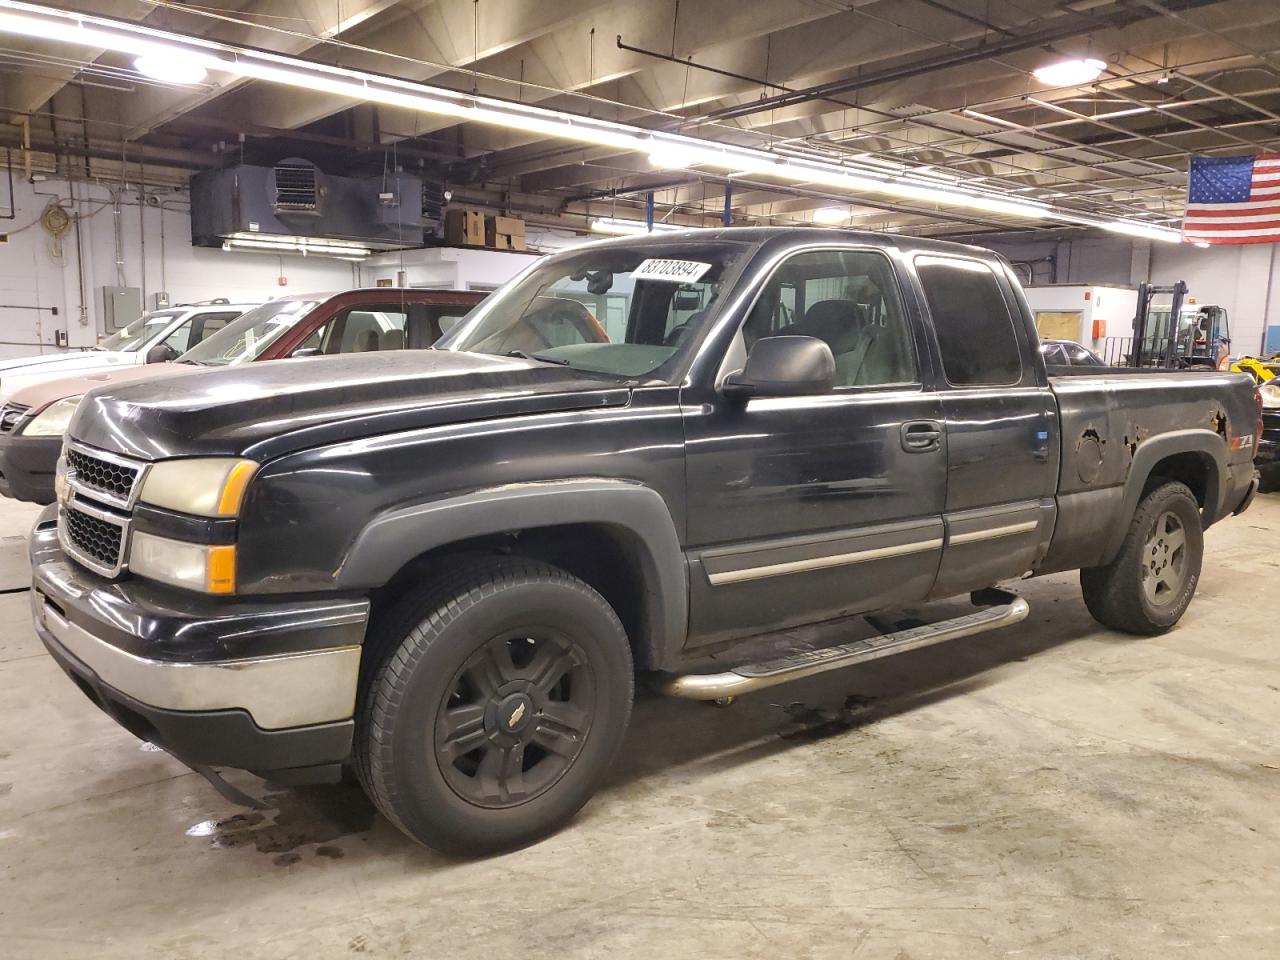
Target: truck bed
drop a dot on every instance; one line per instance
(1106, 417)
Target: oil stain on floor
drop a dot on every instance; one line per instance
(295, 818)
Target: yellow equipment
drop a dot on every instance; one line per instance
(1260, 370)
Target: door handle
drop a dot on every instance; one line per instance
(921, 436)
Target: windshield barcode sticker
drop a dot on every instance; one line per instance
(672, 271)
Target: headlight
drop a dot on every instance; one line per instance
(52, 420)
(1270, 395)
(195, 566)
(205, 486)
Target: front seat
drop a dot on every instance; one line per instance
(366, 342)
(391, 340)
(838, 322)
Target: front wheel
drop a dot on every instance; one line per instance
(503, 696)
(1150, 583)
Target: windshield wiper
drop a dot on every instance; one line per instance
(538, 356)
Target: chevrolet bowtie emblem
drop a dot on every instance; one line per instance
(516, 714)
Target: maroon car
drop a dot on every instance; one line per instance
(308, 324)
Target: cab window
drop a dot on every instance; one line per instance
(848, 299)
(976, 335)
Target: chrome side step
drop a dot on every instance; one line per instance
(1009, 609)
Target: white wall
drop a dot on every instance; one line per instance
(33, 275)
(1244, 278)
(447, 268)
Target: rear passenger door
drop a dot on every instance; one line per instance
(1002, 454)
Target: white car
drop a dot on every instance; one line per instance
(177, 329)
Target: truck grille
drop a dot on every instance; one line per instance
(93, 525)
(93, 539)
(111, 478)
(10, 415)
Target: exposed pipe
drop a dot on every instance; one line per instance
(976, 21)
(142, 229)
(159, 156)
(13, 203)
(164, 280)
(75, 218)
(973, 55)
(1066, 143)
(26, 146)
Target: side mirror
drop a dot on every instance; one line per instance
(306, 352)
(784, 367)
(161, 353)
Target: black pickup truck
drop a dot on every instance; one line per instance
(443, 568)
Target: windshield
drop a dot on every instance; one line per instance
(136, 335)
(246, 338)
(624, 309)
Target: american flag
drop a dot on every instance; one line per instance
(1233, 200)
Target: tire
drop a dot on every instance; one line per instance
(1148, 586)
(500, 699)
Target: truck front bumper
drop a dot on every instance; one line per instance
(265, 685)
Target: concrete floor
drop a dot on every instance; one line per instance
(1050, 791)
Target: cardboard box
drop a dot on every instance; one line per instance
(464, 226)
(475, 227)
(511, 226)
(454, 225)
(500, 232)
(518, 243)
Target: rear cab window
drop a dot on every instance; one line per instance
(977, 336)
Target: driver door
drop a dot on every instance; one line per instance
(808, 508)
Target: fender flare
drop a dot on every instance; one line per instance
(1206, 443)
(397, 536)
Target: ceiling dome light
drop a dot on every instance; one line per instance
(1069, 73)
(168, 68)
(831, 215)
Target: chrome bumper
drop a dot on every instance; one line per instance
(278, 692)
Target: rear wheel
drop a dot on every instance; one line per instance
(1151, 581)
(502, 697)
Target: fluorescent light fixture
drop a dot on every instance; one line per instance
(672, 157)
(1069, 73)
(303, 245)
(831, 215)
(664, 149)
(170, 69)
(628, 228)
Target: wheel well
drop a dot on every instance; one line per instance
(606, 558)
(1191, 469)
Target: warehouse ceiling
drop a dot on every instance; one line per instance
(927, 85)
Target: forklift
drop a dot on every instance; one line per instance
(1182, 337)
